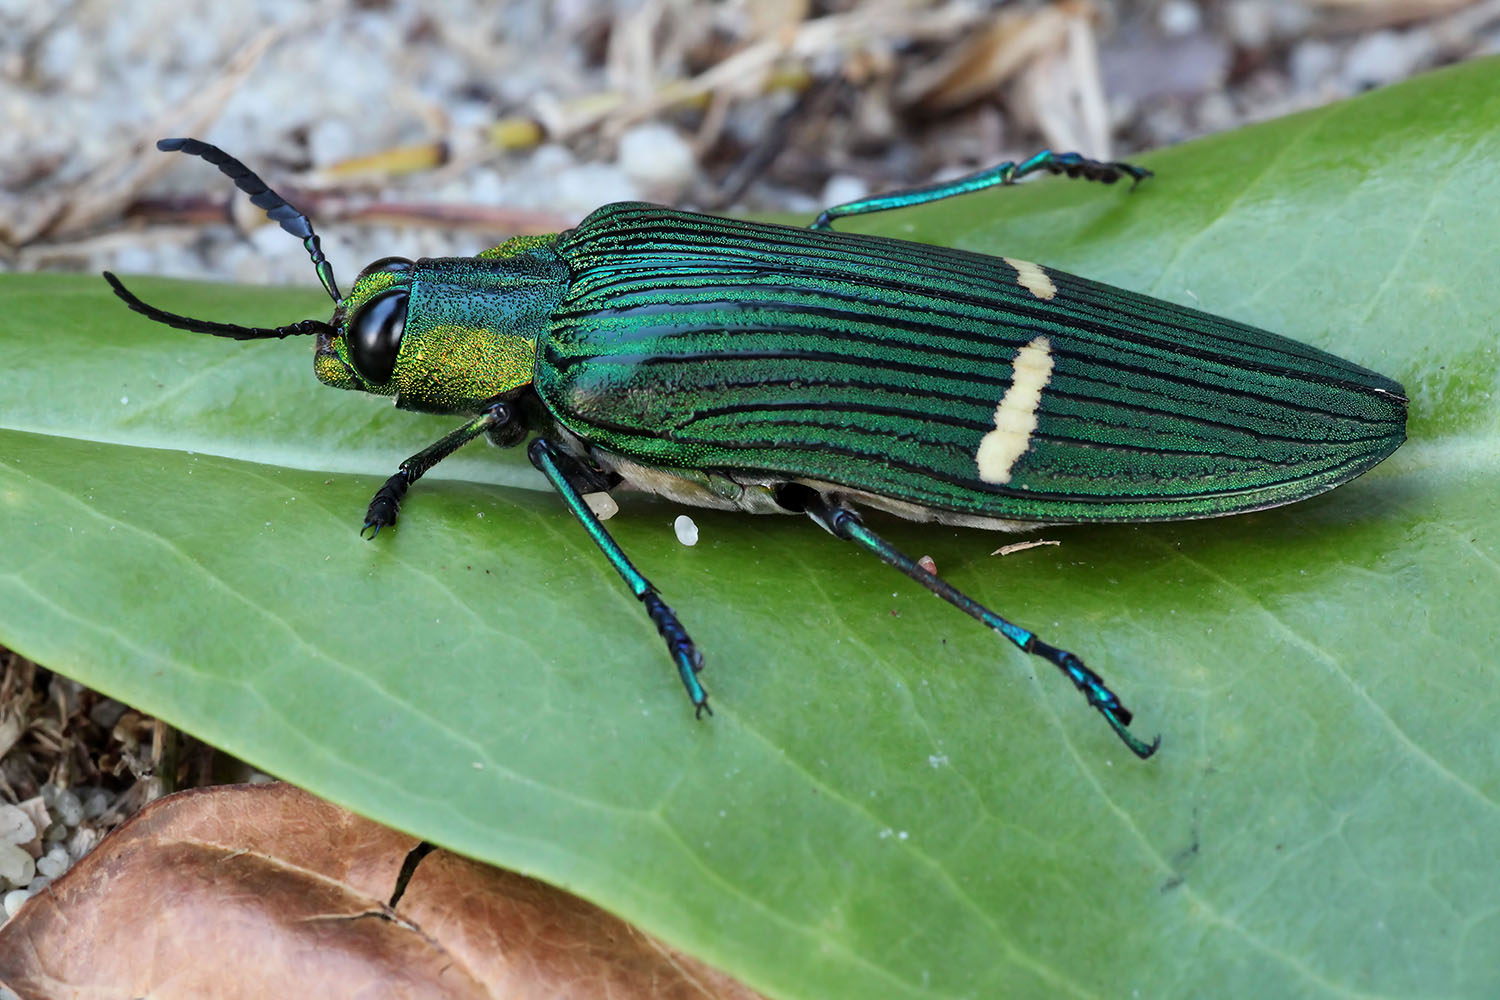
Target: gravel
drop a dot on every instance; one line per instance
(555, 108)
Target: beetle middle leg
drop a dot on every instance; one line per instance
(571, 480)
(843, 522)
(1072, 164)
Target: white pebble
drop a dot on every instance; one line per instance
(15, 826)
(654, 154)
(842, 188)
(268, 238)
(53, 863)
(1311, 63)
(1293, 20)
(59, 55)
(97, 803)
(1377, 59)
(1177, 18)
(135, 260)
(551, 158)
(13, 900)
(1250, 23)
(16, 866)
(330, 140)
(486, 187)
(68, 807)
(687, 531)
(1215, 112)
(583, 188)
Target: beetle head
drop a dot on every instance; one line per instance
(361, 348)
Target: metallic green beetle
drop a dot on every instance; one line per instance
(756, 367)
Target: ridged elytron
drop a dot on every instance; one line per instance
(762, 368)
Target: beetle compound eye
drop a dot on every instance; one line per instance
(395, 265)
(374, 335)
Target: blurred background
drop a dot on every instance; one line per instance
(441, 128)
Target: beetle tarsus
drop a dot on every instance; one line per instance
(680, 645)
(1102, 171)
(1098, 694)
(386, 505)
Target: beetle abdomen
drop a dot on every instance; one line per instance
(951, 380)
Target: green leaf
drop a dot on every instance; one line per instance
(889, 802)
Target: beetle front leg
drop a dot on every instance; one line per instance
(386, 505)
(571, 479)
(842, 522)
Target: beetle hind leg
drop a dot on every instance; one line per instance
(843, 522)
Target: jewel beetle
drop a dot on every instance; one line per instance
(769, 369)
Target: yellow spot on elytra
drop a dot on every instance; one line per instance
(1032, 278)
(1015, 417)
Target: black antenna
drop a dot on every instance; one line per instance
(261, 196)
(281, 212)
(230, 330)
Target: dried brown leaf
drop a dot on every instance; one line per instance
(36, 811)
(992, 55)
(1061, 92)
(776, 18)
(12, 725)
(1371, 15)
(523, 938)
(763, 64)
(264, 890)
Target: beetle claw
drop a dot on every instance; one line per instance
(384, 509)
